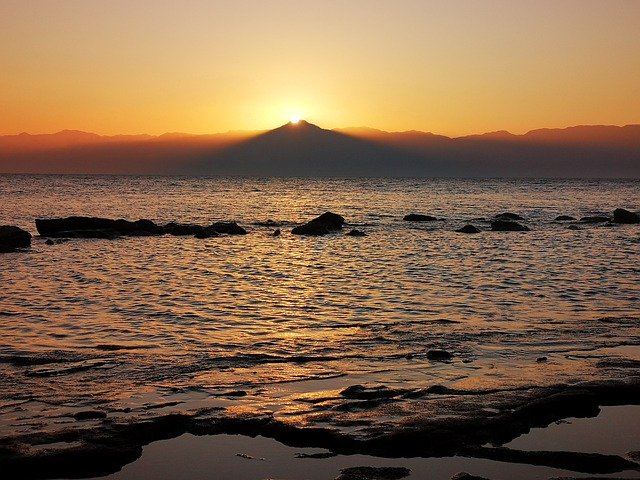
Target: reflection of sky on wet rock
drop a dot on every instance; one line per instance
(133, 323)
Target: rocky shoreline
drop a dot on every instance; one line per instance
(100, 445)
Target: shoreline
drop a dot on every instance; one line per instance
(104, 446)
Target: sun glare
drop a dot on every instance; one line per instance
(294, 119)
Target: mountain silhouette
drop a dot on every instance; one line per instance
(304, 149)
(307, 150)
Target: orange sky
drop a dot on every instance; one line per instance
(451, 67)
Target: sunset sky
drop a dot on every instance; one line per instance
(450, 67)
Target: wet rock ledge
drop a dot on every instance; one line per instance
(104, 445)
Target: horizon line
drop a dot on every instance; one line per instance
(337, 129)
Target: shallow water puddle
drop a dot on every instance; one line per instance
(615, 431)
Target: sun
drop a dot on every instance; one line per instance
(294, 119)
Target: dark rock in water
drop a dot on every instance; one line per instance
(468, 229)
(94, 227)
(416, 217)
(620, 215)
(508, 226)
(180, 229)
(467, 476)
(89, 415)
(439, 355)
(595, 219)
(360, 392)
(373, 473)
(230, 228)
(574, 227)
(541, 359)
(508, 216)
(49, 242)
(276, 233)
(564, 218)
(325, 223)
(207, 232)
(12, 237)
(356, 233)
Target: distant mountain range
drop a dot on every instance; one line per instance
(304, 149)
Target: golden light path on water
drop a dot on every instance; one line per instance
(130, 324)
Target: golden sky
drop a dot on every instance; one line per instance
(450, 67)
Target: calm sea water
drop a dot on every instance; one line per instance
(128, 325)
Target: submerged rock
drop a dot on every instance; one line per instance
(268, 223)
(95, 227)
(373, 473)
(12, 238)
(508, 216)
(508, 226)
(356, 233)
(564, 218)
(322, 225)
(416, 217)
(468, 229)
(620, 215)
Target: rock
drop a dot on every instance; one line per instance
(595, 219)
(416, 217)
(541, 359)
(94, 227)
(373, 473)
(439, 355)
(467, 476)
(276, 233)
(12, 237)
(230, 228)
(564, 218)
(325, 223)
(508, 226)
(89, 415)
(438, 389)
(49, 242)
(360, 392)
(508, 216)
(468, 229)
(207, 232)
(356, 233)
(180, 229)
(620, 215)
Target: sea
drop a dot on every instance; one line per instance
(258, 324)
